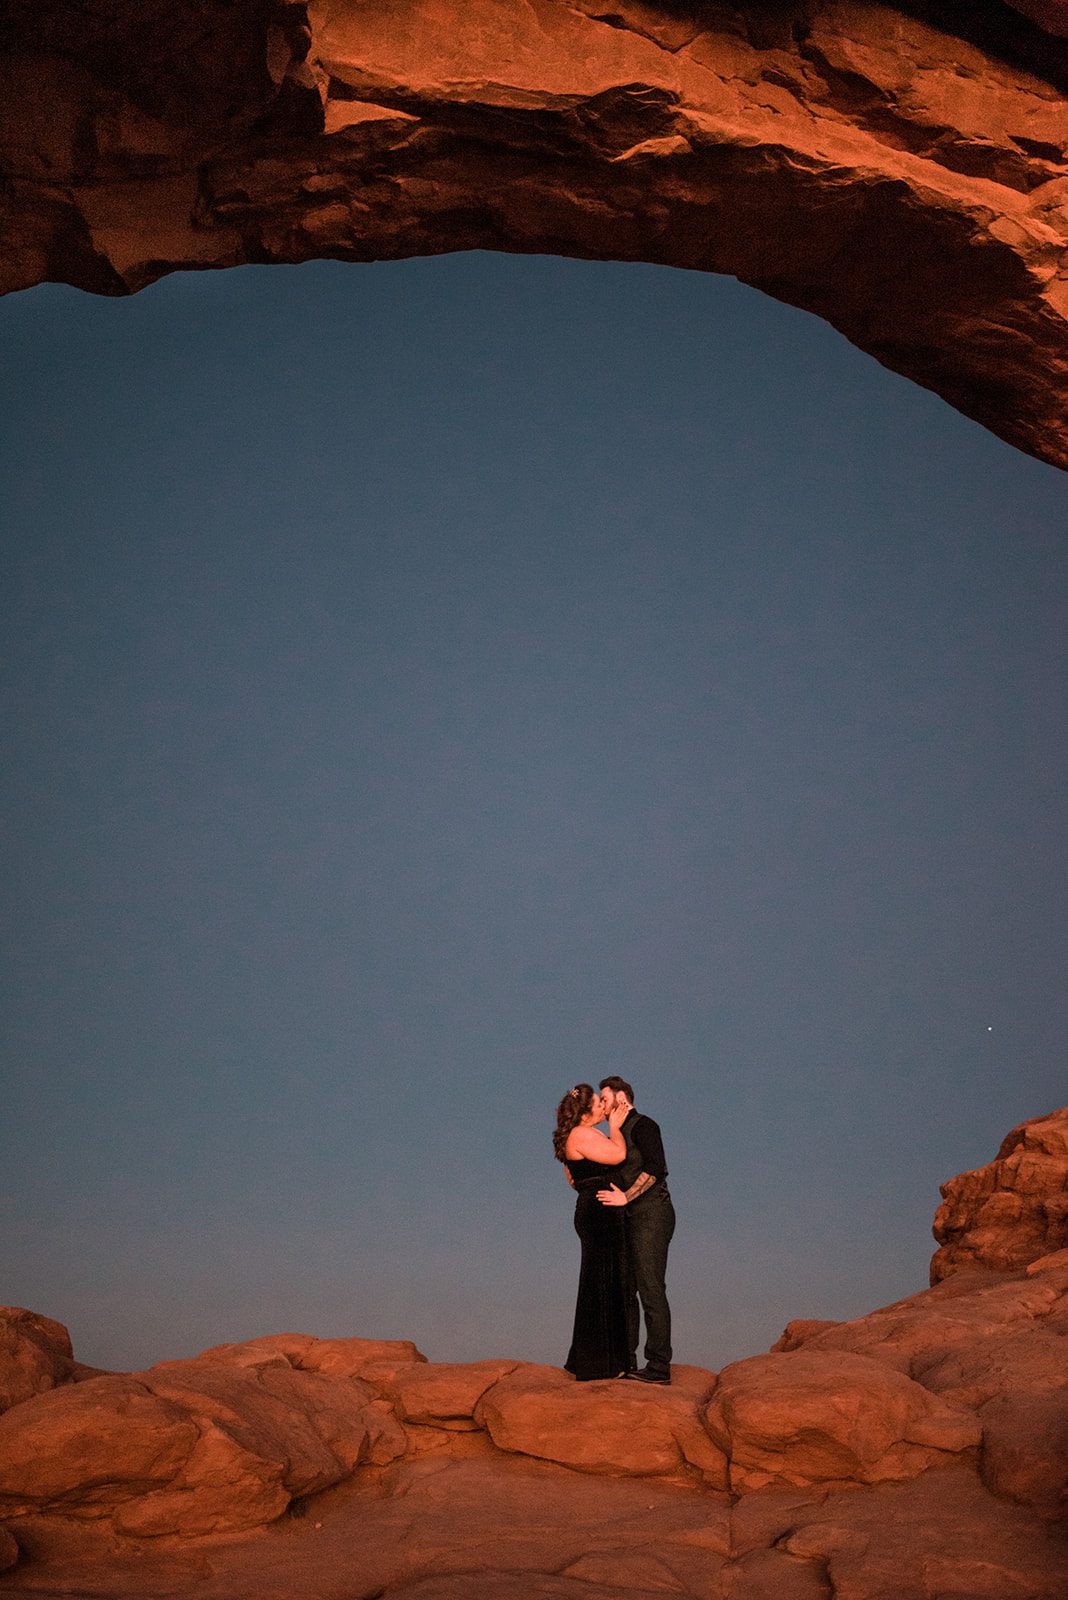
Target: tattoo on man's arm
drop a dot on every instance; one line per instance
(642, 1182)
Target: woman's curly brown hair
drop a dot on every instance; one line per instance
(569, 1113)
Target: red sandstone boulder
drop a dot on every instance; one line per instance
(85, 1448)
(221, 1487)
(807, 1418)
(968, 1313)
(995, 1344)
(191, 1448)
(798, 1332)
(268, 1435)
(1011, 1211)
(35, 1355)
(1054, 1262)
(444, 1394)
(607, 1426)
(338, 1358)
(1016, 1379)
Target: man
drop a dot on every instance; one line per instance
(649, 1222)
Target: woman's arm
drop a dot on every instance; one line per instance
(592, 1144)
(595, 1146)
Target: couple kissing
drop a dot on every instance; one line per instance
(625, 1219)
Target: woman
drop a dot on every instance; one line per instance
(599, 1344)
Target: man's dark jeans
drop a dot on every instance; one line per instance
(650, 1222)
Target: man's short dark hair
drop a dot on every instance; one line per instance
(620, 1085)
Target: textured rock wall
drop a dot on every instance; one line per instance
(901, 170)
(35, 1355)
(1012, 1211)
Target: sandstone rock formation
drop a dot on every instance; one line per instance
(224, 1441)
(631, 1429)
(1011, 1211)
(916, 1453)
(35, 1355)
(993, 1343)
(815, 1417)
(899, 169)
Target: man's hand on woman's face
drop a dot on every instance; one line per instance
(619, 1111)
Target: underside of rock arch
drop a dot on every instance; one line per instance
(900, 170)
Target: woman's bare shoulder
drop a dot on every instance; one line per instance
(578, 1142)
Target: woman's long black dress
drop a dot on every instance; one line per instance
(599, 1343)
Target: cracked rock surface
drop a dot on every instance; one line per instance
(916, 1453)
(900, 170)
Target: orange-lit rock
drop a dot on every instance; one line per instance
(995, 1343)
(607, 1426)
(915, 1452)
(190, 1447)
(335, 1358)
(1012, 1211)
(442, 1395)
(808, 1418)
(973, 1314)
(35, 1355)
(86, 1447)
(268, 1435)
(798, 1332)
(899, 170)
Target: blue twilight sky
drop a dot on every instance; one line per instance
(430, 684)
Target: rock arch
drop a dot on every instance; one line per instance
(899, 169)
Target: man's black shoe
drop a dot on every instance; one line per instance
(647, 1375)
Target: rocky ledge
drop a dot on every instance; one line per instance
(916, 1453)
(898, 169)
